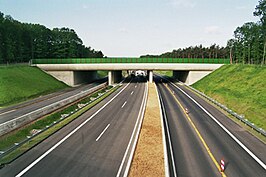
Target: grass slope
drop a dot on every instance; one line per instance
(241, 88)
(19, 83)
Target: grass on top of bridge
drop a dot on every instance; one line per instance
(129, 60)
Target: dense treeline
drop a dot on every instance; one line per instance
(248, 45)
(20, 42)
(249, 42)
(214, 51)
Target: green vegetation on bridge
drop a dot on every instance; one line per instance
(129, 60)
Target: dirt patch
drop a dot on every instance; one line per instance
(148, 159)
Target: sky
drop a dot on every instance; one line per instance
(130, 28)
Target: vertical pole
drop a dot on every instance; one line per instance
(110, 77)
(150, 76)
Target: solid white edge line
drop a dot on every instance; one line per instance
(7, 112)
(169, 138)
(44, 107)
(137, 135)
(67, 136)
(137, 125)
(166, 165)
(124, 104)
(225, 129)
(102, 132)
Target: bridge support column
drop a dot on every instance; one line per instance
(114, 77)
(74, 78)
(190, 77)
(150, 73)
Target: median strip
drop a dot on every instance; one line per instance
(148, 159)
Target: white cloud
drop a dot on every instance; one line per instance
(212, 30)
(183, 3)
(84, 6)
(123, 30)
(241, 7)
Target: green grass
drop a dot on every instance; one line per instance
(17, 136)
(102, 73)
(128, 60)
(20, 83)
(165, 73)
(241, 88)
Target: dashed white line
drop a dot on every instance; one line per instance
(67, 136)
(131, 92)
(124, 104)
(135, 86)
(102, 132)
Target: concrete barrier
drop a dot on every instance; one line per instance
(29, 117)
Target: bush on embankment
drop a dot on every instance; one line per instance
(20, 83)
(241, 88)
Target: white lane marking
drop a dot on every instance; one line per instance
(131, 92)
(225, 129)
(166, 165)
(7, 112)
(136, 128)
(135, 86)
(124, 104)
(17, 118)
(102, 132)
(67, 136)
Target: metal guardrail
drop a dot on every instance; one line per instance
(239, 117)
(21, 120)
(17, 145)
(129, 60)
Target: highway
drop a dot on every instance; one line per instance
(98, 143)
(12, 112)
(198, 143)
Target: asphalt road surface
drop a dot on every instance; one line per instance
(199, 143)
(95, 144)
(12, 112)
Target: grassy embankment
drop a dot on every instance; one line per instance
(20, 83)
(241, 88)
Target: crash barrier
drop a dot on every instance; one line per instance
(29, 117)
(239, 117)
(37, 132)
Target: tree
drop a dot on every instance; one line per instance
(260, 11)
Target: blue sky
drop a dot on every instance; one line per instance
(133, 28)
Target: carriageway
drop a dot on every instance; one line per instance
(74, 71)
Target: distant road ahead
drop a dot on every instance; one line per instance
(95, 144)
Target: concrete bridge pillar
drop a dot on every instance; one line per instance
(114, 77)
(150, 73)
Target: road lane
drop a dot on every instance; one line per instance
(80, 154)
(238, 161)
(190, 156)
(7, 114)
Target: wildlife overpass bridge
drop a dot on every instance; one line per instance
(75, 71)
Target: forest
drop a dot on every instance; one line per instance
(20, 42)
(248, 45)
